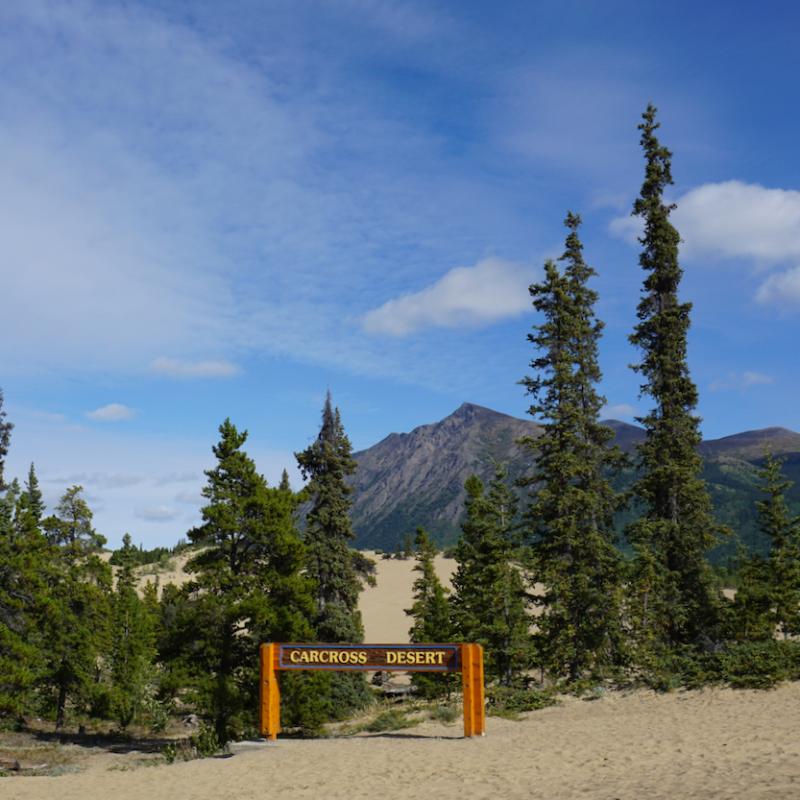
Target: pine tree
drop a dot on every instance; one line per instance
(132, 640)
(489, 601)
(677, 600)
(285, 485)
(248, 585)
(326, 464)
(5, 439)
(75, 627)
(430, 612)
(769, 595)
(571, 518)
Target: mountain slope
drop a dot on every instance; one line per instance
(417, 478)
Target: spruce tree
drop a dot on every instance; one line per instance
(769, 595)
(326, 464)
(132, 640)
(430, 612)
(5, 440)
(571, 517)
(676, 599)
(489, 601)
(248, 586)
(21, 600)
(76, 626)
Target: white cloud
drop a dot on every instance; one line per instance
(178, 368)
(741, 380)
(740, 220)
(735, 220)
(466, 296)
(619, 411)
(732, 220)
(782, 289)
(99, 480)
(113, 412)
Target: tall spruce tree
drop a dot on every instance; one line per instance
(5, 440)
(571, 517)
(430, 612)
(768, 598)
(76, 625)
(248, 586)
(676, 599)
(489, 601)
(132, 640)
(326, 464)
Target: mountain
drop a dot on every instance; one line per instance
(417, 478)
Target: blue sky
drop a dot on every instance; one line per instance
(225, 209)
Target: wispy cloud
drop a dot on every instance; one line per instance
(781, 289)
(179, 368)
(113, 412)
(99, 480)
(489, 291)
(157, 513)
(741, 381)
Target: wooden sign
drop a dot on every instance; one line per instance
(410, 658)
(464, 658)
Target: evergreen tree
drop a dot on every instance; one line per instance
(248, 586)
(20, 600)
(571, 517)
(132, 640)
(30, 509)
(489, 602)
(326, 464)
(5, 439)
(430, 612)
(284, 485)
(769, 594)
(677, 601)
(75, 625)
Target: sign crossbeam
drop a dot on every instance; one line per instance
(464, 658)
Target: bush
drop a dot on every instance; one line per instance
(392, 720)
(447, 714)
(510, 701)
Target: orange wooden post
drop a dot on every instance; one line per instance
(270, 706)
(472, 685)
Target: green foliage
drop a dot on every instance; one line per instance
(431, 614)
(489, 602)
(510, 701)
(570, 521)
(5, 439)
(391, 720)
(75, 624)
(132, 641)
(769, 593)
(138, 556)
(23, 560)
(326, 464)
(248, 588)
(677, 601)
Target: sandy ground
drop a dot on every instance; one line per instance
(713, 744)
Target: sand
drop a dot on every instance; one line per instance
(713, 744)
